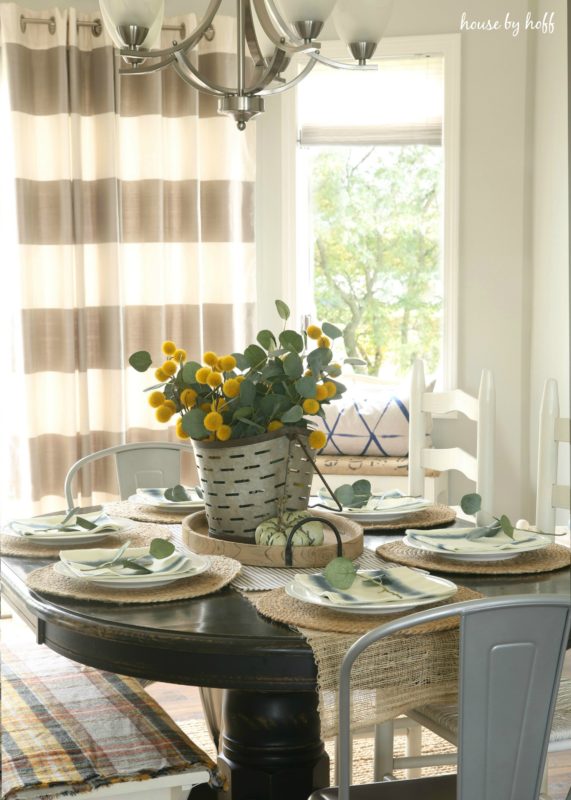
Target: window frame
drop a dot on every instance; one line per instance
(292, 283)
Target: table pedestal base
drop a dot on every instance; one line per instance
(270, 746)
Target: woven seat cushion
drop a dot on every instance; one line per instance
(446, 716)
(77, 728)
(366, 465)
(367, 420)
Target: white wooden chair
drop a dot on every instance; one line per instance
(139, 465)
(553, 429)
(481, 409)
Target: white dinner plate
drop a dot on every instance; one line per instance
(485, 553)
(154, 498)
(413, 587)
(366, 515)
(20, 528)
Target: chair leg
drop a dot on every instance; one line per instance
(383, 753)
(544, 790)
(336, 772)
(413, 746)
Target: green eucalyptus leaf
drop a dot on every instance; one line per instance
(362, 493)
(273, 404)
(283, 309)
(242, 413)
(247, 393)
(318, 359)
(255, 356)
(153, 387)
(334, 371)
(292, 341)
(139, 569)
(177, 494)
(294, 414)
(340, 573)
(241, 361)
(293, 366)
(471, 503)
(273, 369)
(141, 360)
(277, 352)
(189, 371)
(193, 423)
(331, 330)
(85, 523)
(306, 386)
(266, 339)
(161, 548)
(345, 495)
(507, 526)
(253, 424)
(356, 362)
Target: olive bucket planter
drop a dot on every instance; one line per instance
(244, 482)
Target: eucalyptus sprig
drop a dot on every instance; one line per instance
(159, 549)
(341, 572)
(472, 503)
(177, 494)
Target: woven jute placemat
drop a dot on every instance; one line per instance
(138, 534)
(221, 572)
(549, 558)
(280, 607)
(143, 513)
(431, 517)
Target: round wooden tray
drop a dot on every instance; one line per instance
(195, 535)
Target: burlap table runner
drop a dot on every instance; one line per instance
(221, 572)
(138, 534)
(552, 557)
(392, 676)
(431, 517)
(145, 513)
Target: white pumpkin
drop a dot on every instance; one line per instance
(274, 531)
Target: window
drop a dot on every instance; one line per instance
(369, 204)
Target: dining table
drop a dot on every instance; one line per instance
(267, 728)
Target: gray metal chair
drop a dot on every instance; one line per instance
(139, 465)
(511, 656)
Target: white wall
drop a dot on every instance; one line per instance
(503, 211)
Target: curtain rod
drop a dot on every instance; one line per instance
(95, 25)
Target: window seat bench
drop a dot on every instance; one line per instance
(70, 729)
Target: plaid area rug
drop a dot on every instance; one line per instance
(78, 728)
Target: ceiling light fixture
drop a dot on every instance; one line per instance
(268, 34)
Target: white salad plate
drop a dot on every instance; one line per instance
(429, 589)
(79, 564)
(38, 530)
(379, 515)
(155, 498)
(450, 543)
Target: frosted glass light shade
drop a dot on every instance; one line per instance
(362, 20)
(145, 13)
(301, 10)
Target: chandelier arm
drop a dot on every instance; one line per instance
(140, 70)
(183, 60)
(293, 82)
(188, 43)
(252, 39)
(197, 81)
(279, 62)
(277, 31)
(331, 62)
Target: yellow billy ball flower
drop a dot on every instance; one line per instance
(321, 392)
(240, 378)
(317, 440)
(202, 374)
(205, 407)
(156, 399)
(213, 421)
(227, 363)
(214, 379)
(310, 406)
(161, 375)
(188, 397)
(219, 404)
(169, 348)
(163, 413)
(331, 388)
(169, 367)
(179, 355)
(180, 432)
(275, 425)
(231, 387)
(170, 404)
(323, 341)
(224, 432)
(210, 358)
(313, 331)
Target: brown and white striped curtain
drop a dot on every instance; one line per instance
(133, 223)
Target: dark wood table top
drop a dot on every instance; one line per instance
(218, 640)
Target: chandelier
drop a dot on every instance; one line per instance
(270, 34)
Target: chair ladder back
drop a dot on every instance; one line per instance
(454, 400)
(144, 468)
(510, 664)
